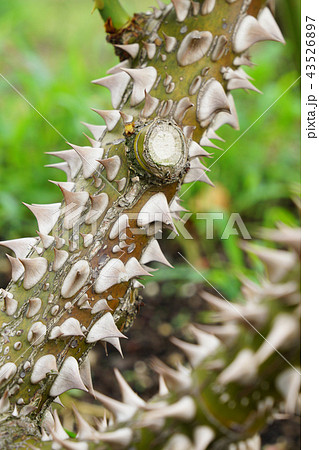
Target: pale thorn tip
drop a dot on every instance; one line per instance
(89, 157)
(193, 47)
(111, 117)
(21, 247)
(203, 436)
(117, 84)
(85, 373)
(131, 49)
(181, 9)
(44, 365)
(153, 252)
(7, 371)
(71, 327)
(35, 269)
(242, 370)
(46, 215)
(143, 80)
(112, 166)
(75, 279)
(105, 327)
(71, 158)
(68, 378)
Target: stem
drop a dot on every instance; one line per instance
(112, 11)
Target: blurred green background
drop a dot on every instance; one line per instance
(51, 49)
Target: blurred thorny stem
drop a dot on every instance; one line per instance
(112, 13)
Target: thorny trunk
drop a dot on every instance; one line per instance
(76, 283)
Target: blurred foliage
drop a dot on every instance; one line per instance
(289, 18)
(51, 50)
(257, 174)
